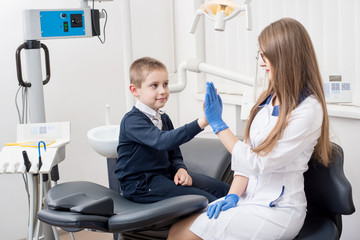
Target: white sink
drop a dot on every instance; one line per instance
(104, 140)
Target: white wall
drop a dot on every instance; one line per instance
(87, 75)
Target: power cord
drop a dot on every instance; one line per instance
(104, 15)
(22, 115)
(24, 111)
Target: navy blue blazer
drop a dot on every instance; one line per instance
(143, 148)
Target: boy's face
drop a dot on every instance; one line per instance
(154, 90)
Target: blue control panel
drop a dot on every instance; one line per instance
(62, 23)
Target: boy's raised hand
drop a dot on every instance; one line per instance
(202, 121)
(182, 178)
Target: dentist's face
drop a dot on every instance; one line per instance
(154, 91)
(265, 63)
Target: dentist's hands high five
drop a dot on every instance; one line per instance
(213, 109)
(213, 112)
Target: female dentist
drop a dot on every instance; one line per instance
(288, 123)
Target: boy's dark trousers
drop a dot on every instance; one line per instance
(152, 188)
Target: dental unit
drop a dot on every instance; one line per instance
(40, 146)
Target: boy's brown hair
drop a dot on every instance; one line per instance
(142, 67)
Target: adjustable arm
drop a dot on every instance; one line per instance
(196, 20)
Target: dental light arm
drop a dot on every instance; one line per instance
(248, 20)
(194, 65)
(196, 20)
(221, 11)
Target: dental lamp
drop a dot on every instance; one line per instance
(221, 11)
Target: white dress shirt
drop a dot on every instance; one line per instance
(154, 116)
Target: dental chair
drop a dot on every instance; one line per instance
(75, 206)
(329, 196)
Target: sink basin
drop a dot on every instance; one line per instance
(104, 140)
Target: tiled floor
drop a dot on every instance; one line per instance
(86, 235)
(83, 235)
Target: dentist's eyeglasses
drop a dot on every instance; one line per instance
(262, 57)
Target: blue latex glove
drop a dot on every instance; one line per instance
(230, 201)
(213, 109)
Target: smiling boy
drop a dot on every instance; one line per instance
(150, 166)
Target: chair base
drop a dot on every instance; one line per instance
(145, 235)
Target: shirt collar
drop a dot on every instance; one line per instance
(145, 109)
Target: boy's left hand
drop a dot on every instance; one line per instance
(202, 121)
(183, 178)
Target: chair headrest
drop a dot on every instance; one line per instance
(327, 188)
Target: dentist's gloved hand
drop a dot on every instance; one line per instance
(230, 201)
(213, 109)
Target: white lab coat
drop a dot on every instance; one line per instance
(275, 180)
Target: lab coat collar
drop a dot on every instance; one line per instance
(275, 111)
(304, 93)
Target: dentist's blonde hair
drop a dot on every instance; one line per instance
(142, 67)
(288, 47)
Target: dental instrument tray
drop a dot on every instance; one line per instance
(38, 148)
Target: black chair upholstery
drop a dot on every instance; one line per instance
(329, 196)
(327, 190)
(127, 215)
(201, 152)
(75, 206)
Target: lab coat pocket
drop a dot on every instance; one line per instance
(269, 194)
(278, 199)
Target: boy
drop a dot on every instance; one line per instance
(150, 166)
